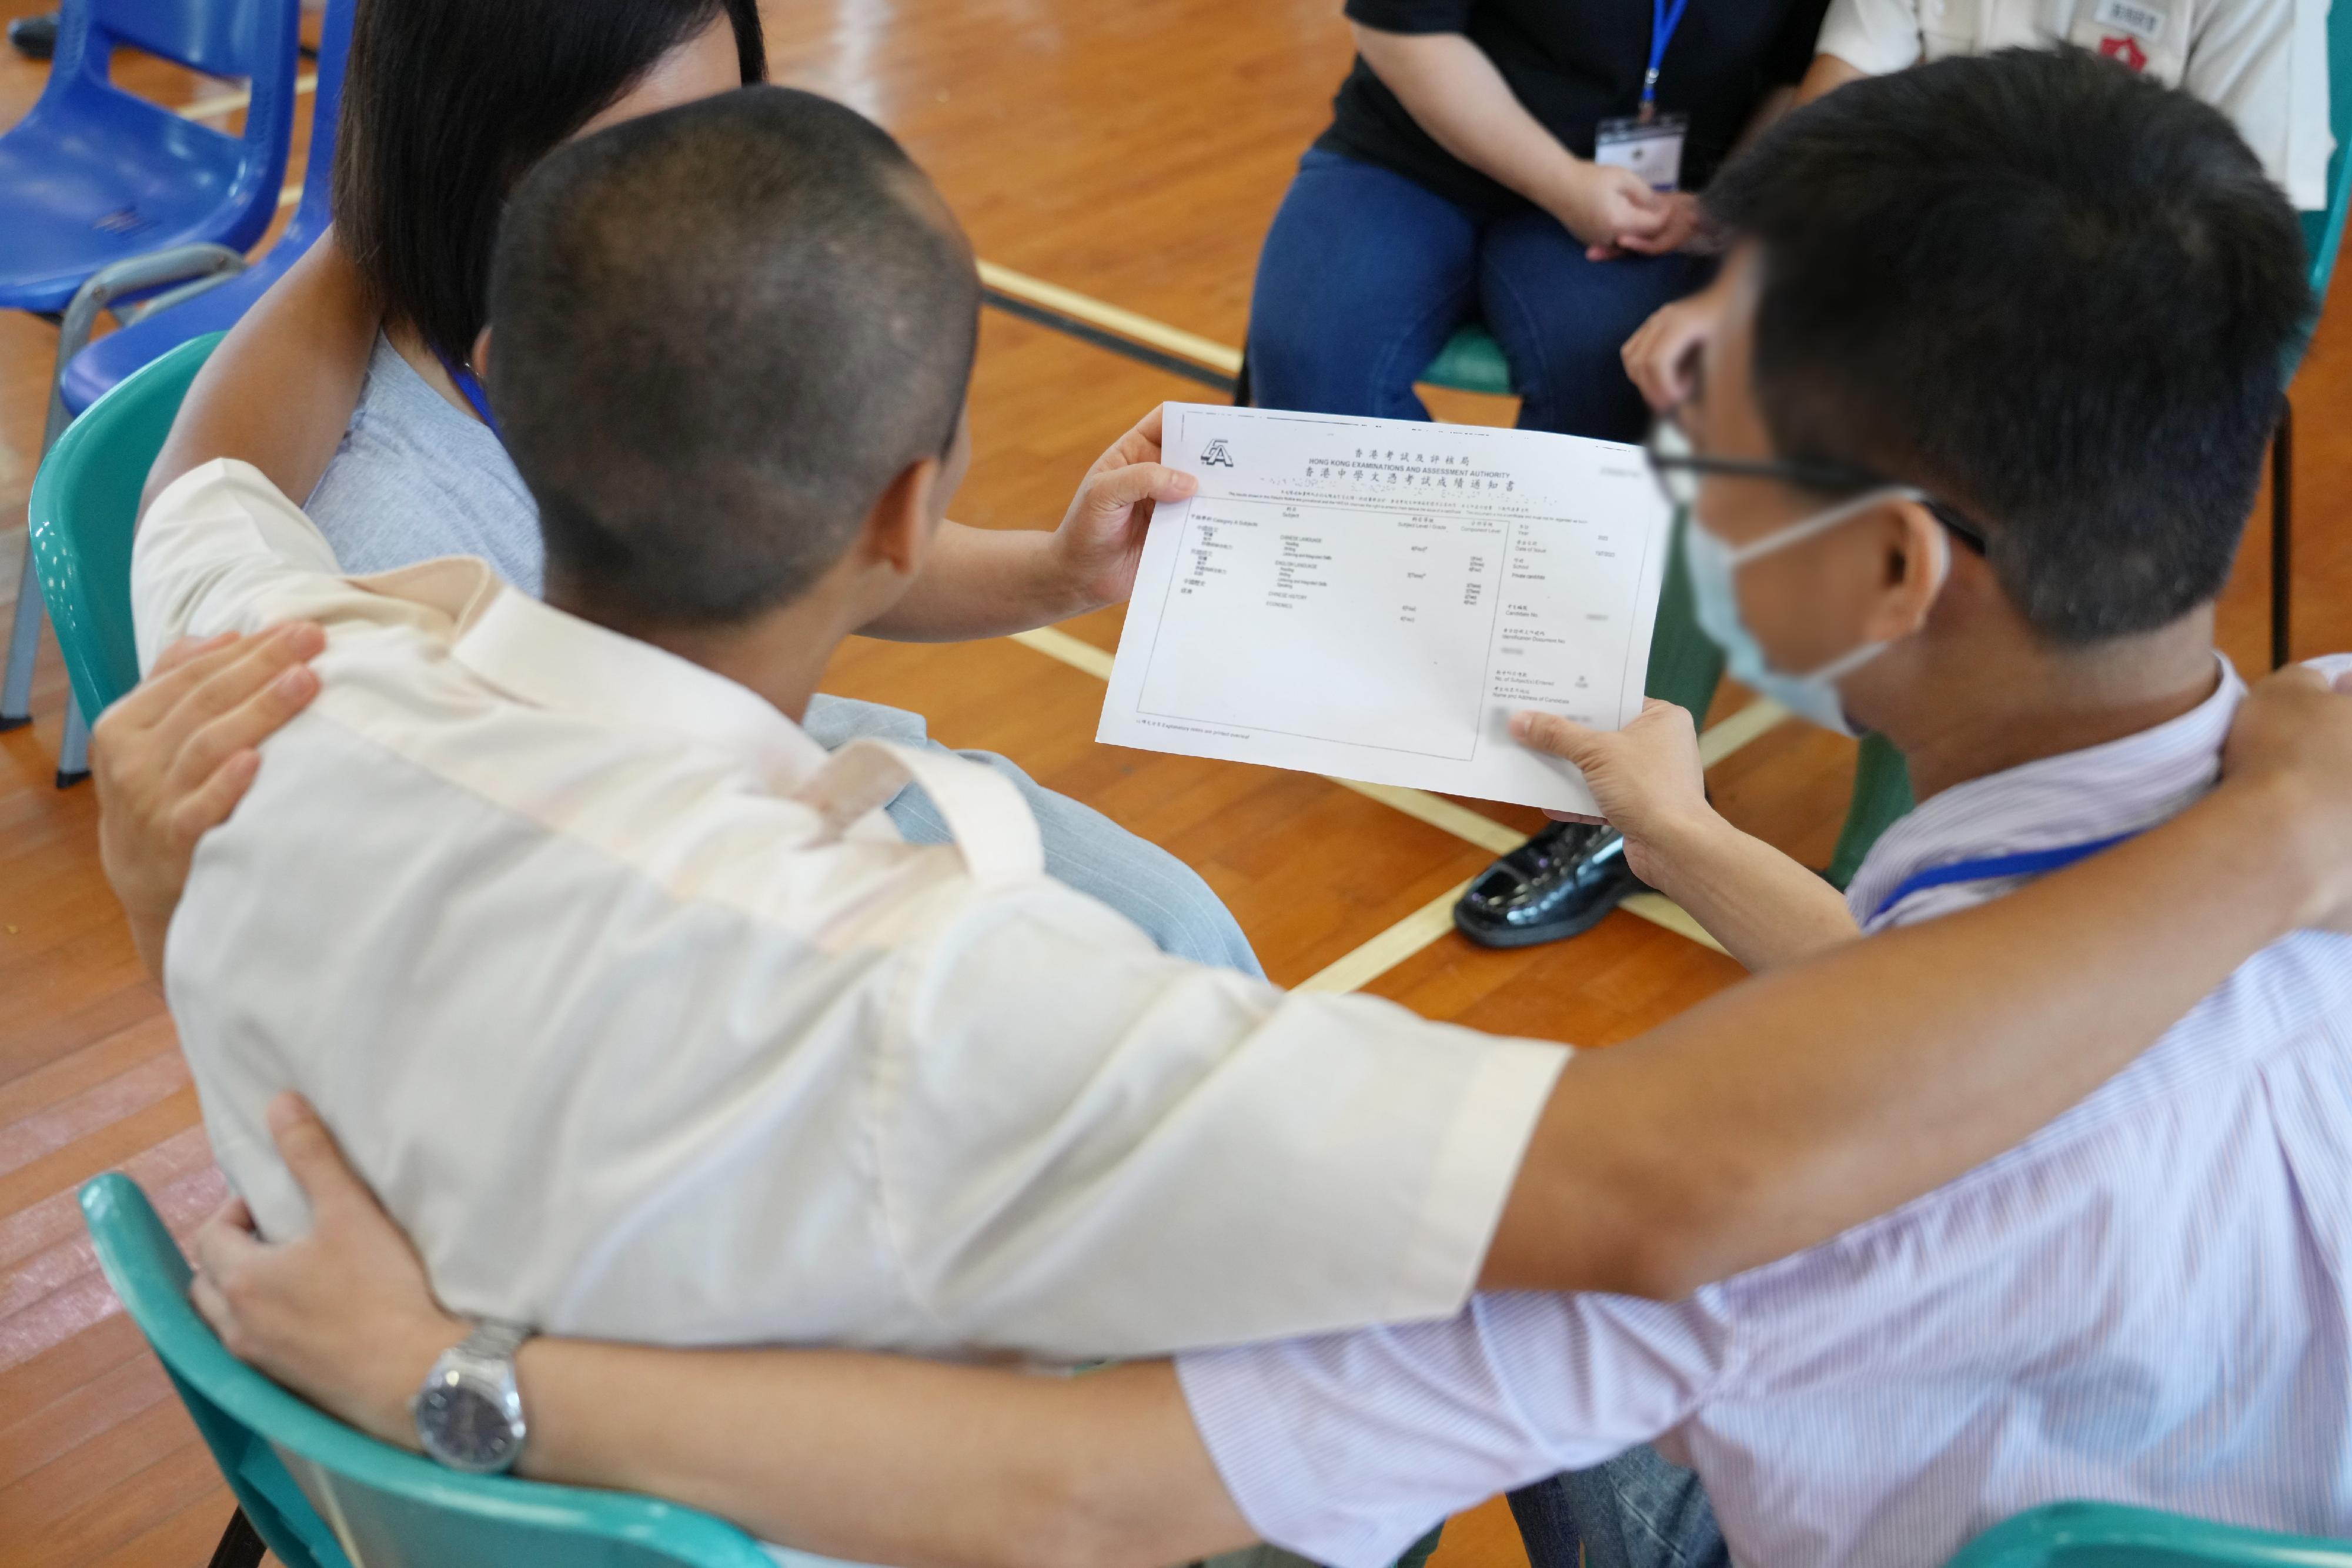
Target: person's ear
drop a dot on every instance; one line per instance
(482, 354)
(899, 528)
(1916, 561)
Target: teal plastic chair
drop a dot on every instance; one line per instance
(2107, 1535)
(85, 505)
(323, 1496)
(1470, 361)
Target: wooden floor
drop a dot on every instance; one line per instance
(1134, 154)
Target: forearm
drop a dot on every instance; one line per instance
(982, 583)
(871, 1458)
(1816, 1096)
(1454, 92)
(279, 390)
(1764, 907)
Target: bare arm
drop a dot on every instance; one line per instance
(1810, 1098)
(1454, 92)
(279, 390)
(988, 583)
(1827, 74)
(1764, 907)
(812, 1448)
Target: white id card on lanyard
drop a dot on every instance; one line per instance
(1651, 148)
(1649, 143)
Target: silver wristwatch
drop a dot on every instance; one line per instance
(469, 1412)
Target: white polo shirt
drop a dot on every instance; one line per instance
(643, 1024)
(2263, 63)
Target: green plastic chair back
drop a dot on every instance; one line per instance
(2323, 231)
(2107, 1535)
(324, 1496)
(1470, 361)
(85, 505)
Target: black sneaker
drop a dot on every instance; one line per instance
(1557, 884)
(34, 37)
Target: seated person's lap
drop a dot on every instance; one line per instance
(1366, 274)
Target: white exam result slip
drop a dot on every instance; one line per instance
(1374, 598)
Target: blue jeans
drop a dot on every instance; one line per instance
(1635, 1511)
(1084, 848)
(1366, 274)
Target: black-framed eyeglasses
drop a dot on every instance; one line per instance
(1680, 470)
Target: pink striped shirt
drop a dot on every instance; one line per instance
(2145, 1303)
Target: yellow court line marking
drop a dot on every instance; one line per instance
(1760, 714)
(1111, 318)
(224, 103)
(1390, 949)
(1440, 813)
(1077, 652)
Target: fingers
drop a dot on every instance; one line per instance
(213, 1306)
(226, 1245)
(311, 1155)
(1117, 489)
(209, 805)
(285, 690)
(1575, 816)
(187, 648)
(1141, 444)
(207, 687)
(1561, 738)
(179, 670)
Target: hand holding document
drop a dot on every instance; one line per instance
(1374, 599)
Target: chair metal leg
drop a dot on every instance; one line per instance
(2282, 535)
(73, 754)
(241, 1545)
(24, 644)
(194, 267)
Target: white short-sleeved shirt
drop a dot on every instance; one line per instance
(2142, 1303)
(2261, 62)
(643, 1024)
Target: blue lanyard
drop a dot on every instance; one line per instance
(1663, 20)
(471, 385)
(2033, 862)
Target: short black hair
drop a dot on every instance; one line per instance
(722, 331)
(2053, 293)
(447, 102)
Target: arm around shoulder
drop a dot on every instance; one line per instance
(1805, 1101)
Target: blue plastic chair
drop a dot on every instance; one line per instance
(94, 177)
(2107, 1535)
(227, 296)
(321, 1495)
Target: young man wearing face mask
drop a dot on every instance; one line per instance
(1943, 488)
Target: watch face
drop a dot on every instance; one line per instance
(467, 1428)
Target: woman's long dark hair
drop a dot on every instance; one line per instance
(447, 102)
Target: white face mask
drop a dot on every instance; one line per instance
(1714, 575)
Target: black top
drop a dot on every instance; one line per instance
(1574, 63)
